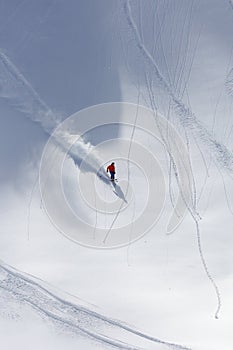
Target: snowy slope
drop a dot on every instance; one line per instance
(21, 289)
(168, 65)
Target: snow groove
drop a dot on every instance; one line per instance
(231, 3)
(18, 91)
(15, 88)
(187, 120)
(37, 294)
(229, 82)
(187, 117)
(128, 173)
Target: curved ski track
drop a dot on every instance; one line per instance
(38, 295)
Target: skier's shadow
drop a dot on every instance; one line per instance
(118, 191)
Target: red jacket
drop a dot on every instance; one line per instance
(111, 168)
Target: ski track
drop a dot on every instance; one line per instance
(128, 172)
(187, 117)
(19, 92)
(189, 121)
(37, 294)
(229, 83)
(16, 89)
(231, 3)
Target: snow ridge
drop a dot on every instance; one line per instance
(36, 293)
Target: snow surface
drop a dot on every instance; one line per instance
(174, 59)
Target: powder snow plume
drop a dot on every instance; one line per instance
(19, 93)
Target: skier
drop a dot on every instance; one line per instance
(111, 169)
